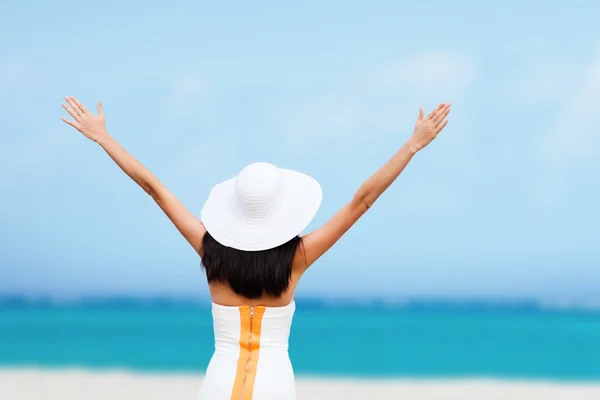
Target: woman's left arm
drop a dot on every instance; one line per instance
(94, 127)
(321, 240)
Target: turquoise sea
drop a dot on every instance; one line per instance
(413, 339)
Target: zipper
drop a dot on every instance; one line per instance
(249, 353)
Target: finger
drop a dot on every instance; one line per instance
(73, 124)
(431, 114)
(420, 114)
(81, 106)
(436, 115)
(439, 111)
(100, 111)
(71, 112)
(441, 116)
(442, 126)
(73, 105)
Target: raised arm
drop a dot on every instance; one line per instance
(318, 242)
(94, 128)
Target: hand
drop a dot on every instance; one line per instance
(426, 129)
(92, 126)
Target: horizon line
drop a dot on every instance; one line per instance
(318, 301)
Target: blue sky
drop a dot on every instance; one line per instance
(503, 204)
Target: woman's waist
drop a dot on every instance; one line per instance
(265, 345)
(275, 356)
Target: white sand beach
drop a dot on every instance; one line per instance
(38, 384)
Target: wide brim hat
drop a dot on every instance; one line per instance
(261, 208)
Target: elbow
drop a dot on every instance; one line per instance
(153, 188)
(364, 198)
(151, 192)
(361, 203)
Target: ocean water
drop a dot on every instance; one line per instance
(415, 339)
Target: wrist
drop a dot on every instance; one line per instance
(411, 147)
(102, 138)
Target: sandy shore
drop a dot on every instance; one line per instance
(31, 384)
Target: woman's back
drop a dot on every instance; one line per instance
(222, 294)
(251, 354)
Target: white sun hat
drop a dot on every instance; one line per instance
(262, 208)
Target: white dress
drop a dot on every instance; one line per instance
(251, 360)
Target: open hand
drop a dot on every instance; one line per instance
(92, 126)
(426, 129)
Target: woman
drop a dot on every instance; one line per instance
(250, 245)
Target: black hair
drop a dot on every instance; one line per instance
(250, 273)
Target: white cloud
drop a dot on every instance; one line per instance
(432, 72)
(193, 160)
(380, 99)
(190, 86)
(21, 75)
(570, 145)
(185, 93)
(571, 134)
(545, 80)
(575, 133)
(34, 157)
(15, 70)
(205, 161)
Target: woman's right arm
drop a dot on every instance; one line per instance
(318, 242)
(94, 128)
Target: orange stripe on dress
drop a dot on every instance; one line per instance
(245, 376)
(259, 312)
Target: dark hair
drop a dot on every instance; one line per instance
(250, 273)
